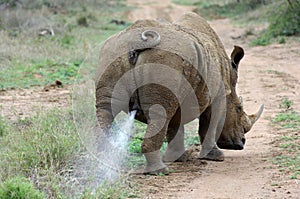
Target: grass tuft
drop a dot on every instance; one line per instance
(19, 187)
(39, 148)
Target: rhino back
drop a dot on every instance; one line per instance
(197, 55)
(198, 27)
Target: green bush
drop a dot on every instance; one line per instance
(284, 21)
(19, 188)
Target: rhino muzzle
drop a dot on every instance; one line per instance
(232, 145)
(238, 143)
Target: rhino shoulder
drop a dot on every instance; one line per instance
(199, 28)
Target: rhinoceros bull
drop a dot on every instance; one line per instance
(170, 74)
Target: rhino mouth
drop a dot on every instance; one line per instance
(230, 145)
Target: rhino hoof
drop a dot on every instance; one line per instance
(181, 157)
(214, 155)
(152, 170)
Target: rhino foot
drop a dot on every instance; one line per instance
(214, 155)
(156, 169)
(175, 157)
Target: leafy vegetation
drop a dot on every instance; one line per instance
(288, 160)
(284, 21)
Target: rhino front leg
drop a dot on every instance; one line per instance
(204, 121)
(212, 129)
(175, 150)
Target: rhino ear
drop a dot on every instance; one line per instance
(236, 56)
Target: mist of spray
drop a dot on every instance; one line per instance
(121, 132)
(94, 167)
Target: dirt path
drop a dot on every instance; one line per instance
(21, 103)
(267, 74)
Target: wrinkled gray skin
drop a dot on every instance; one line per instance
(218, 107)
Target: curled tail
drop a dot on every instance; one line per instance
(149, 39)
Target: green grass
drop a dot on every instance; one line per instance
(289, 119)
(42, 148)
(45, 141)
(109, 191)
(198, 3)
(288, 161)
(288, 164)
(186, 2)
(39, 73)
(136, 158)
(286, 103)
(32, 60)
(19, 188)
(3, 126)
(39, 148)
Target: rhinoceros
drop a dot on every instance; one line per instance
(171, 74)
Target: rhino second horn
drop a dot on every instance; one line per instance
(257, 115)
(241, 100)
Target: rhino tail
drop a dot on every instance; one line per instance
(149, 39)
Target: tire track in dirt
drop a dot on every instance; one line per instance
(267, 74)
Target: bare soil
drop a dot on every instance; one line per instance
(21, 103)
(266, 75)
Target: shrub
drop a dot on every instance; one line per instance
(284, 21)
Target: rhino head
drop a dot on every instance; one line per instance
(237, 122)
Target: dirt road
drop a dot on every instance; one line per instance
(266, 75)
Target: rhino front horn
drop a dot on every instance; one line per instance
(254, 117)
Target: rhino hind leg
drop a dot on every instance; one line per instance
(153, 140)
(175, 151)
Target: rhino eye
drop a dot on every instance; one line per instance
(239, 109)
